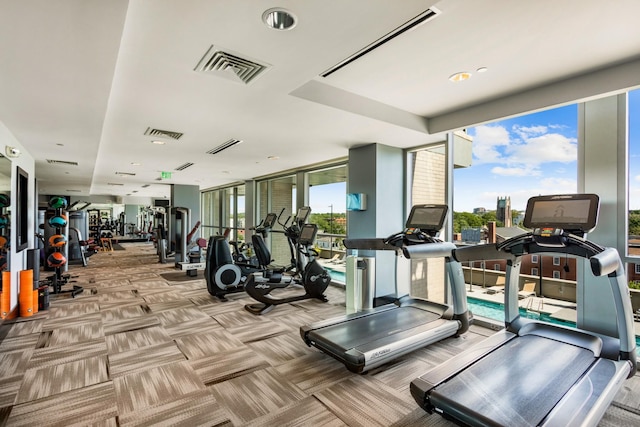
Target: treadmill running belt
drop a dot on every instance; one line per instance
(516, 385)
(357, 332)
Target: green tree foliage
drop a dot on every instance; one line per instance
(462, 220)
(323, 221)
(634, 223)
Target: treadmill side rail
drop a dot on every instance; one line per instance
(587, 401)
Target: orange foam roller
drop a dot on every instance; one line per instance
(25, 299)
(5, 302)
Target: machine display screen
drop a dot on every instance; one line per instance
(427, 217)
(308, 234)
(269, 220)
(303, 213)
(569, 212)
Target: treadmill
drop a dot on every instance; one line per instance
(534, 373)
(373, 337)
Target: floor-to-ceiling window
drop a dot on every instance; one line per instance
(222, 211)
(327, 199)
(277, 195)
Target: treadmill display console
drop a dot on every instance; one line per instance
(427, 217)
(577, 213)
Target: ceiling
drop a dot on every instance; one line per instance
(81, 81)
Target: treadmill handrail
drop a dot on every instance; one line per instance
(429, 250)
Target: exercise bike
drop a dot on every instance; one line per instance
(305, 269)
(222, 274)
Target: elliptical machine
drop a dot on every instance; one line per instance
(223, 275)
(305, 269)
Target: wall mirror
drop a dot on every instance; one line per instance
(5, 211)
(21, 210)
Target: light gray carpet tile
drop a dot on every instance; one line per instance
(49, 380)
(151, 284)
(71, 334)
(25, 328)
(225, 365)
(307, 412)
(131, 340)
(14, 362)
(294, 321)
(258, 331)
(199, 345)
(141, 390)
(118, 297)
(113, 282)
(52, 324)
(281, 349)
(255, 394)
(168, 303)
(190, 285)
(218, 307)
(21, 342)
(51, 356)
(84, 406)
(192, 410)
(179, 315)
(124, 325)
(163, 295)
(399, 373)
(360, 401)
(138, 360)
(629, 394)
(126, 312)
(73, 309)
(418, 417)
(197, 326)
(314, 372)
(241, 317)
(9, 387)
(202, 298)
(142, 276)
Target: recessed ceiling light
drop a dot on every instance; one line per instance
(459, 77)
(158, 142)
(482, 69)
(135, 164)
(279, 19)
(273, 157)
(60, 144)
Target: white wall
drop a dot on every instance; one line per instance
(17, 261)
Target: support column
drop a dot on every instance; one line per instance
(378, 171)
(602, 149)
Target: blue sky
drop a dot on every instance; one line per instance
(519, 157)
(533, 154)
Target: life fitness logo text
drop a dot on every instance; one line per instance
(380, 353)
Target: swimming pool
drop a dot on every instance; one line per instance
(495, 311)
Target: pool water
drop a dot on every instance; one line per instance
(336, 275)
(495, 311)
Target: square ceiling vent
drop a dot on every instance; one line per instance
(230, 65)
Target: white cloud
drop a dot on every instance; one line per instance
(637, 178)
(515, 171)
(526, 132)
(551, 147)
(486, 141)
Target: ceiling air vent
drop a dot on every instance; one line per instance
(125, 174)
(146, 185)
(114, 183)
(420, 19)
(230, 65)
(230, 143)
(183, 167)
(62, 162)
(163, 133)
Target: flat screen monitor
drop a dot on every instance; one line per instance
(308, 234)
(303, 214)
(427, 217)
(563, 211)
(269, 220)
